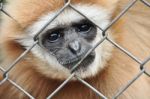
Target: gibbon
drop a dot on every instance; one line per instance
(66, 40)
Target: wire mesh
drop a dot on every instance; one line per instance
(105, 37)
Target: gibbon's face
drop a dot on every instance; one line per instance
(67, 39)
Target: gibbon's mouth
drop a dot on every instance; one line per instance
(83, 65)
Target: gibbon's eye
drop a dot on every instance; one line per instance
(54, 36)
(84, 28)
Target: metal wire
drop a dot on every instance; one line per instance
(6, 78)
(67, 3)
(61, 86)
(92, 88)
(128, 84)
(146, 3)
(20, 57)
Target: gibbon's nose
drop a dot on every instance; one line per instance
(74, 46)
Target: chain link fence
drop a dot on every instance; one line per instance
(105, 37)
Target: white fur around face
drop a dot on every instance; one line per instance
(98, 15)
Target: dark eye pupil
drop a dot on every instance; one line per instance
(54, 36)
(84, 28)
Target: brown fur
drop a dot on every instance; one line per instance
(131, 32)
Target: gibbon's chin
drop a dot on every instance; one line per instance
(70, 64)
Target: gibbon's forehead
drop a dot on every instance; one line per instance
(27, 12)
(69, 17)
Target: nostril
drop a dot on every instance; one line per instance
(74, 46)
